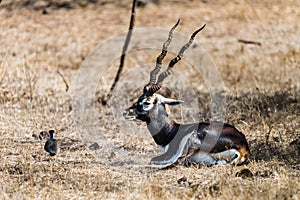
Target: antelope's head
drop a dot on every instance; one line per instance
(151, 106)
(148, 108)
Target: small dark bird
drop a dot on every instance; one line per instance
(51, 144)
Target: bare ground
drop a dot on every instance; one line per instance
(261, 85)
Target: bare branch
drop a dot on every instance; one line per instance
(125, 47)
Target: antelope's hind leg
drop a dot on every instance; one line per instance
(203, 158)
(231, 156)
(242, 156)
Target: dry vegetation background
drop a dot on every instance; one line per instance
(40, 39)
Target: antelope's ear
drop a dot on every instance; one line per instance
(171, 102)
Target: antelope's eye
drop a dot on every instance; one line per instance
(146, 103)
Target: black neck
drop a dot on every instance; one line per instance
(164, 134)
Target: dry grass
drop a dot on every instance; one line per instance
(261, 87)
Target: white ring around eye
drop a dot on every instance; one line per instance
(147, 107)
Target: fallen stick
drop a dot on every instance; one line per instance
(249, 42)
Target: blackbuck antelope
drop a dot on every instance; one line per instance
(207, 143)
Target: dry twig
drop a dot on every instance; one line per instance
(65, 81)
(249, 42)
